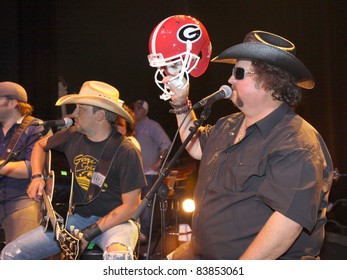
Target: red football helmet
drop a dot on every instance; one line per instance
(179, 46)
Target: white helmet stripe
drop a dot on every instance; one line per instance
(155, 33)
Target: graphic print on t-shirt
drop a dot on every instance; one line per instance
(84, 167)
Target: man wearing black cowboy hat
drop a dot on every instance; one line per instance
(265, 173)
(108, 177)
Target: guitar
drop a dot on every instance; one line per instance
(50, 217)
(69, 240)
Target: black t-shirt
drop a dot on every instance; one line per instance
(125, 175)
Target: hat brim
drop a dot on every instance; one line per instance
(97, 101)
(271, 55)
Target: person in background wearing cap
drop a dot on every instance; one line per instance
(105, 219)
(155, 144)
(18, 213)
(265, 173)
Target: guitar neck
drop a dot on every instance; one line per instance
(49, 208)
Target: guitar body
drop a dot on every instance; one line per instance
(49, 217)
(69, 240)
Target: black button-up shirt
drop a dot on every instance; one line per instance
(281, 165)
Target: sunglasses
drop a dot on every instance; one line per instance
(240, 73)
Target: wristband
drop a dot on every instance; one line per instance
(90, 232)
(181, 108)
(37, 176)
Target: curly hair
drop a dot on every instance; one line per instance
(279, 82)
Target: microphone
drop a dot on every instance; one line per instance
(66, 122)
(223, 93)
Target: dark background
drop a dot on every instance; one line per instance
(107, 40)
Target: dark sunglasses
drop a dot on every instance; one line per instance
(240, 73)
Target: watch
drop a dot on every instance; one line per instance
(37, 176)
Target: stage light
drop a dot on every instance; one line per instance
(188, 205)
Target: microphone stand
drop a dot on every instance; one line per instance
(158, 183)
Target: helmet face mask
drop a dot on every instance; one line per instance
(178, 46)
(180, 80)
(176, 67)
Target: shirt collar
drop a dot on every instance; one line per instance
(20, 120)
(266, 124)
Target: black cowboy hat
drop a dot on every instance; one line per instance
(271, 49)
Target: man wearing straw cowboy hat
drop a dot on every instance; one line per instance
(108, 176)
(265, 173)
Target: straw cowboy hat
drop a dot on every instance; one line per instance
(98, 94)
(272, 49)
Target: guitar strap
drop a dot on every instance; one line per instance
(103, 166)
(16, 136)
